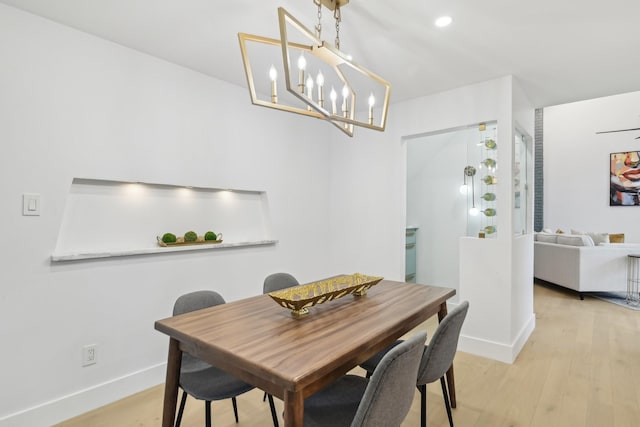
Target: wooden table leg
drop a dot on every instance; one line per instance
(171, 384)
(293, 409)
(451, 385)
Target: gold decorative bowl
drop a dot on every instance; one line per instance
(299, 298)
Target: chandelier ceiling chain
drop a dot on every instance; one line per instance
(338, 17)
(320, 80)
(319, 26)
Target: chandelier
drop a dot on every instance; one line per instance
(319, 79)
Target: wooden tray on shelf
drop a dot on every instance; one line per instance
(299, 298)
(197, 242)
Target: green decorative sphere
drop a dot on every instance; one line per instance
(210, 235)
(169, 238)
(190, 236)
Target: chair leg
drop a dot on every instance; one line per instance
(235, 408)
(273, 411)
(446, 400)
(207, 413)
(423, 405)
(181, 409)
(264, 397)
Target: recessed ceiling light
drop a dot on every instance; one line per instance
(443, 21)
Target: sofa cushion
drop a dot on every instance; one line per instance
(575, 240)
(547, 238)
(598, 238)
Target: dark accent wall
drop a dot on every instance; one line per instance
(538, 179)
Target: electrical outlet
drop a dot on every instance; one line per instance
(89, 354)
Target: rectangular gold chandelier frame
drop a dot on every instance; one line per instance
(327, 54)
(255, 100)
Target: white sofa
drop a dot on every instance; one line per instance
(582, 268)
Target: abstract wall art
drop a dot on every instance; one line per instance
(624, 179)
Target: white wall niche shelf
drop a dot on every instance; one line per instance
(108, 218)
(59, 257)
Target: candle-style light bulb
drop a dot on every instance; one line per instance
(273, 75)
(302, 64)
(320, 83)
(372, 101)
(334, 96)
(345, 91)
(309, 87)
(309, 91)
(345, 95)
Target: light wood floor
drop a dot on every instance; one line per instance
(581, 367)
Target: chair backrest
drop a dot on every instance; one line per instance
(191, 302)
(276, 281)
(389, 394)
(439, 354)
(196, 301)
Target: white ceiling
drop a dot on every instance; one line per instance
(560, 50)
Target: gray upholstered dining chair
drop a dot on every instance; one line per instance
(198, 378)
(436, 359)
(383, 400)
(276, 281)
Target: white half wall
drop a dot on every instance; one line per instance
(576, 164)
(73, 105)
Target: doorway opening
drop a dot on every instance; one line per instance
(436, 205)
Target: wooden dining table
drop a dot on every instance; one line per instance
(290, 357)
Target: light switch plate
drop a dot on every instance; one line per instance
(30, 204)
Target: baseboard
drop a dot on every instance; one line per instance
(82, 401)
(523, 336)
(501, 352)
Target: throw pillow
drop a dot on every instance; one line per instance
(616, 238)
(599, 238)
(587, 240)
(558, 231)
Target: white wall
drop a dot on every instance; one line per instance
(367, 204)
(576, 164)
(76, 106)
(522, 317)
